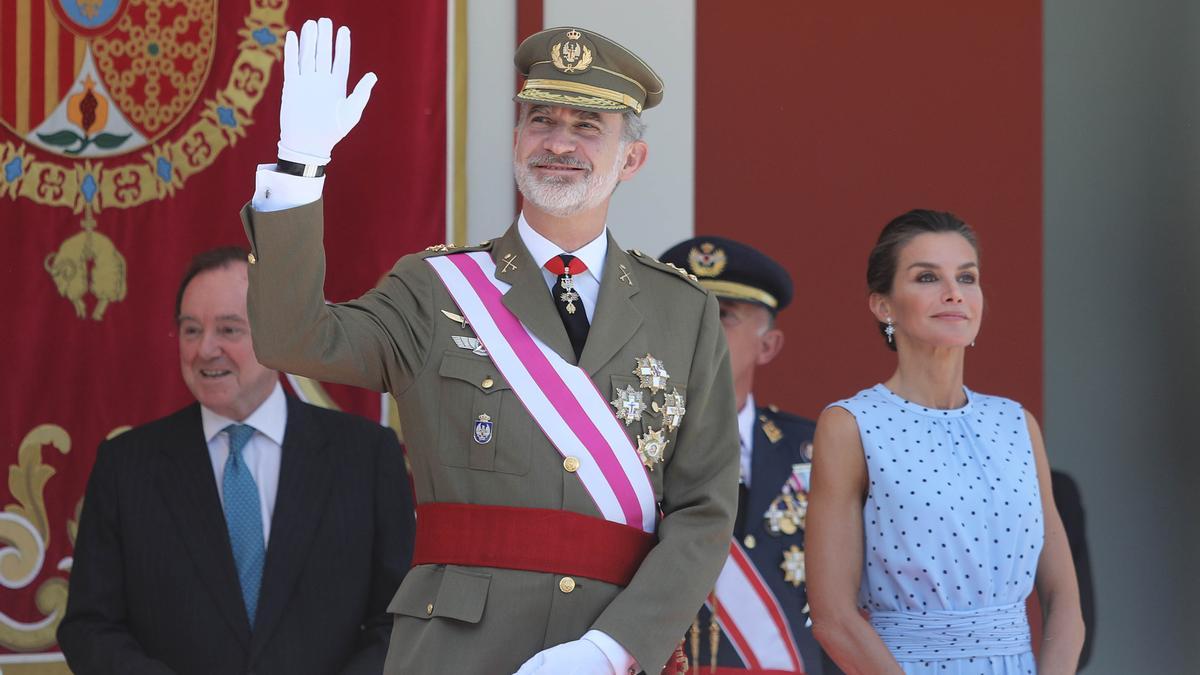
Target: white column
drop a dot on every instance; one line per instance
(491, 40)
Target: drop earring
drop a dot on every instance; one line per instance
(890, 331)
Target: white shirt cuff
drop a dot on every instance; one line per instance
(620, 660)
(274, 191)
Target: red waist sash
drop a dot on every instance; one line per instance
(534, 540)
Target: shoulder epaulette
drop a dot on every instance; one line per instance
(787, 416)
(442, 249)
(655, 263)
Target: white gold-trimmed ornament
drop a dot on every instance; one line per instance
(673, 409)
(630, 404)
(652, 374)
(652, 447)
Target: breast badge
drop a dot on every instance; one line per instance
(652, 373)
(787, 512)
(483, 429)
(793, 566)
(470, 343)
(456, 318)
(651, 446)
(673, 409)
(630, 404)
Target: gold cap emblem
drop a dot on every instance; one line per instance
(707, 260)
(572, 55)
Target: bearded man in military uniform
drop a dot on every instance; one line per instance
(568, 406)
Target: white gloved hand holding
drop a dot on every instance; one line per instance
(578, 657)
(315, 112)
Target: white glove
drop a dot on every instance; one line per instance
(315, 112)
(578, 657)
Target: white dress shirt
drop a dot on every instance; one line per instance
(593, 253)
(262, 454)
(746, 433)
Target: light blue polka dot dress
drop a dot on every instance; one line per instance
(953, 527)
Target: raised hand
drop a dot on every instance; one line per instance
(315, 112)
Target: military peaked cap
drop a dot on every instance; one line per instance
(734, 271)
(576, 68)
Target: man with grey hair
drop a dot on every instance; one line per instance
(567, 405)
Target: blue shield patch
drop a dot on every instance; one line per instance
(483, 430)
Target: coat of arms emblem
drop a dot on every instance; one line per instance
(102, 102)
(707, 260)
(571, 55)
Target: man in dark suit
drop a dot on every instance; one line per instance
(247, 533)
(776, 450)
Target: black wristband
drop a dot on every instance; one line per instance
(298, 169)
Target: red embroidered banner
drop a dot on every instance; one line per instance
(129, 134)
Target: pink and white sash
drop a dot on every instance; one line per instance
(752, 618)
(560, 397)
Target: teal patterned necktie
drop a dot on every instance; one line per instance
(243, 517)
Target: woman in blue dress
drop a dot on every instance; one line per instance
(930, 517)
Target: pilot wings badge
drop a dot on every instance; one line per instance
(471, 343)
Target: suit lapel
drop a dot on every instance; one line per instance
(190, 492)
(617, 319)
(529, 298)
(305, 476)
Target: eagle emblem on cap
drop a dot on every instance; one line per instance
(571, 56)
(707, 260)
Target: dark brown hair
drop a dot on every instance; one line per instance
(212, 259)
(881, 264)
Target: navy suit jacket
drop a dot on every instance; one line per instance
(770, 467)
(154, 587)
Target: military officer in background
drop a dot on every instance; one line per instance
(568, 406)
(776, 449)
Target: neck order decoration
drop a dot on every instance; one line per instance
(565, 266)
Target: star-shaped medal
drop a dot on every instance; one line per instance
(652, 373)
(793, 566)
(630, 404)
(673, 409)
(651, 446)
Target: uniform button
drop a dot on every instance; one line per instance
(429, 609)
(750, 541)
(251, 259)
(571, 464)
(566, 584)
(487, 383)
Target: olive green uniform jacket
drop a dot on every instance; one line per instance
(395, 338)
